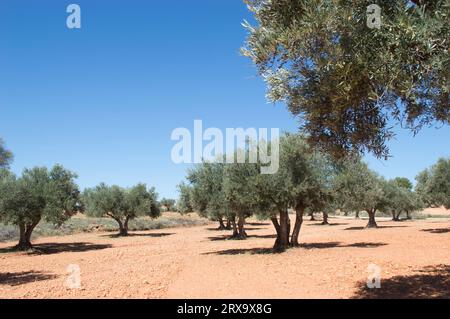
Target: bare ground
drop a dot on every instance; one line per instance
(197, 262)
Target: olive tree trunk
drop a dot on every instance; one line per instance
(235, 229)
(394, 216)
(283, 229)
(325, 219)
(228, 226)
(25, 232)
(221, 224)
(372, 223)
(299, 211)
(408, 215)
(123, 226)
(241, 229)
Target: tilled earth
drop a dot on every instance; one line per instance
(335, 261)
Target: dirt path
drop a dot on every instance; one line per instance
(414, 258)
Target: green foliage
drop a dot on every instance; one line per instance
(398, 198)
(433, 184)
(6, 156)
(121, 204)
(168, 203)
(358, 189)
(403, 182)
(184, 205)
(347, 81)
(37, 194)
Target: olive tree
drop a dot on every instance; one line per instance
(347, 82)
(433, 184)
(5, 155)
(37, 194)
(302, 182)
(399, 198)
(121, 204)
(168, 203)
(239, 193)
(208, 194)
(184, 203)
(358, 189)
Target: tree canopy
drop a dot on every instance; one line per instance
(168, 203)
(433, 184)
(359, 189)
(349, 83)
(184, 204)
(121, 204)
(6, 156)
(37, 194)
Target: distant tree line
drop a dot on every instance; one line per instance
(53, 195)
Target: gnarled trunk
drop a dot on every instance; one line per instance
(372, 223)
(221, 224)
(394, 216)
(235, 229)
(123, 227)
(283, 231)
(325, 219)
(25, 232)
(228, 226)
(408, 215)
(299, 211)
(241, 230)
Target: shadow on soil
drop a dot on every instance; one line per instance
(430, 282)
(220, 230)
(56, 248)
(379, 227)
(329, 224)
(155, 235)
(437, 230)
(258, 224)
(263, 251)
(24, 277)
(228, 237)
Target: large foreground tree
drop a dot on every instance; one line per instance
(121, 204)
(349, 82)
(37, 194)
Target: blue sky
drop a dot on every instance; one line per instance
(104, 99)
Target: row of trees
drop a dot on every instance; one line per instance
(53, 195)
(307, 182)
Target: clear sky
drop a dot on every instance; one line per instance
(104, 99)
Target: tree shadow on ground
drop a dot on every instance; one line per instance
(229, 237)
(24, 277)
(155, 235)
(432, 282)
(307, 246)
(339, 245)
(379, 227)
(329, 224)
(56, 248)
(437, 230)
(258, 224)
(249, 251)
(220, 230)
